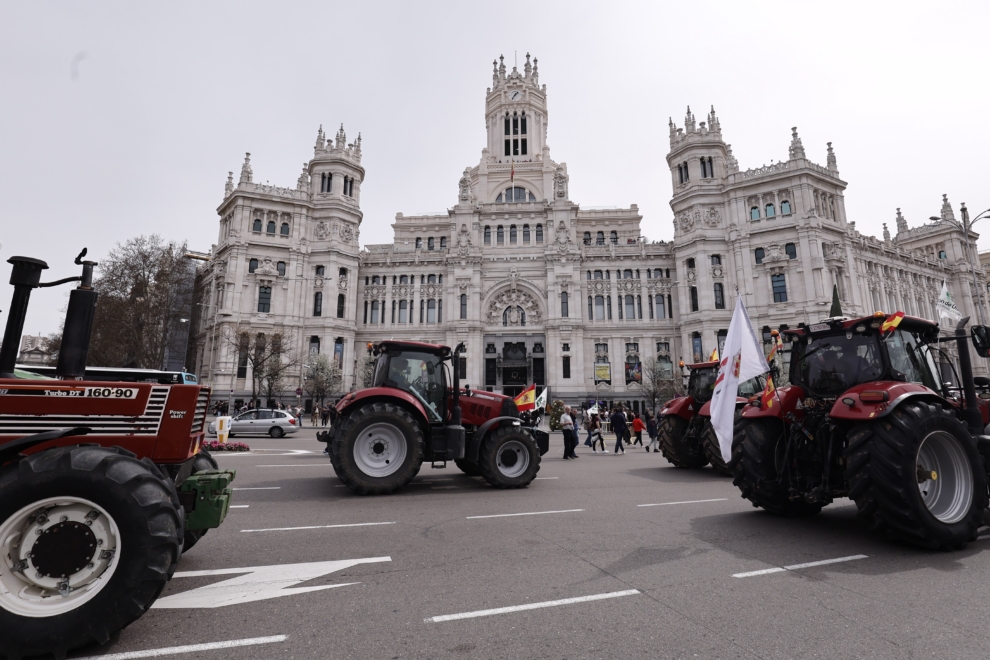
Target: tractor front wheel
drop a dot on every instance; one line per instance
(917, 476)
(381, 449)
(679, 450)
(509, 457)
(713, 450)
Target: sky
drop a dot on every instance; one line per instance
(123, 118)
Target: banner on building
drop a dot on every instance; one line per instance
(634, 372)
(603, 372)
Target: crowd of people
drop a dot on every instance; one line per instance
(627, 426)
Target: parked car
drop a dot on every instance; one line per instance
(275, 423)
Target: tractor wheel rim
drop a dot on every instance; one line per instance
(57, 554)
(512, 459)
(380, 450)
(949, 495)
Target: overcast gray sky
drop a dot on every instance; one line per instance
(120, 119)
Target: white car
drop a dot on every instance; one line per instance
(275, 423)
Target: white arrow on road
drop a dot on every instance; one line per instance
(258, 583)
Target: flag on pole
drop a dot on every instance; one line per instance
(541, 401)
(778, 344)
(766, 399)
(743, 359)
(714, 356)
(526, 400)
(891, 324)
(945, 305)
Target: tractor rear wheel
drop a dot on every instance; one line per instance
(677, 449)
(757, 448)
(90, 536)
(467, 467)
(509, 457)
(713, 450)
(381, 449)
(917, 476)
(201, 463)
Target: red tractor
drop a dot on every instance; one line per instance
(685, 434)
(415, 411)
(102, 486)
(867, 416)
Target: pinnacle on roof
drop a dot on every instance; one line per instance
(831, 159)
(246, 172)
(796, 149)
(947, 213)
(320, 141)
(901, 222)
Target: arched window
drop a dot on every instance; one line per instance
(429, 243)
(630, 308)
(403, 279)
(690, 263)
(600, 238)
(760, 253)
(512, 233)
(500, 235)
(320, 270)
(539, 233)
(719, 296)
(264, 299)
(785, 207)
(257, 225)
(598, 275)
(694, 299)
(271, 226)
(513, 311)
(525, 233)
(443, 242)
(587, 238)
(770, 211)
(342, 273)
(463, 305)
(341, 300)
(779, 288)
(374, 311)
(658, 273)
(667, 273)
(281, 268)
(627, 274)
(599, 308)
(564, 311)
(754, 213)
(252, 265)
(318, 303)
(419, 242)
(375, 279)
(791, 250)
(488, 235)
(431, 279)
(716, 260)
(314, 345)
(614, 237)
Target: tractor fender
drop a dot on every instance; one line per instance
(11, 449)
(681, 407)
(372, 394)
(785, 401)
(897, 394)
(471, 450)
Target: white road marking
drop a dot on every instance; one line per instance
(189, 648)
(261, 488)
(721, 499)
(538, 478)
(794, 567)
(530, 606)
(289, 529)
(327, 464)
(259, 583)
(263, 452)
(239, 506)
(533, 513)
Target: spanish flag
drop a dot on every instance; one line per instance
(766, 399)
(714, 356)
(891, 323)
(526, 400)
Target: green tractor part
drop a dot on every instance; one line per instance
(206, 497)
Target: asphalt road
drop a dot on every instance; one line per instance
(661, 577)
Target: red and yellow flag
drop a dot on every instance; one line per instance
(766, 399)
(778, 344)
(714, 356)
(891, 323)
(526, 400)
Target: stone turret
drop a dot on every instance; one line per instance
(902, 224)
(341, 142)
(832, 167)
(946, 212)
(796, 150)
(229, 188)
(320, 140)
(246, 173)
(303, 182)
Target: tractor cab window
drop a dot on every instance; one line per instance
(828, 366)
(702, 384)
(910, 359)
(751, 387)
(420, 374)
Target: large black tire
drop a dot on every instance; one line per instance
(757, 445)
(389, 446)
(713, 451)
(675, 448)
(509, 457)
(203, 462)
(142, 506)
(884, 459)
(467, 467)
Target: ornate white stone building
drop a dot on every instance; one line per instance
(542, 290)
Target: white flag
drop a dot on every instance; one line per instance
(541, 401)
(742, 359)
(946, 307)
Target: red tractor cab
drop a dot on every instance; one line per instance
(685, 434)
(416, 411)
(867, 416)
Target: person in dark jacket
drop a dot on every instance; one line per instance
(651, 430)
(618, 421)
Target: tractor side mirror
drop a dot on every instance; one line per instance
(981, 340)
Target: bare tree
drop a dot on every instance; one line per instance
(368, 370)
(659, 384)
(269, 358)
(322, 378)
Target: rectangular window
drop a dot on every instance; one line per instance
(431, 311)
(374, 311)
(663, 347)
(508, 131)
(563, 304)
(341, 300)
(566, 367)
(539, 371)
(365, 312)
(395, 307)
(523, 147)
(242, 359)
(264, 299)
(508, 149)
(522, 125)
(515, 147)
(515, 125)
(318, 304)
(608, 307)
(719, 296)
(403, 311)
(463, 305)
(694, 299)
(630, 309)
(491, 373)
(462, 367)
(566, 347)
(599, 308)
(779, 288)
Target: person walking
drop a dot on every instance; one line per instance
(638, 427)
(619, 428)
(595, 431)
(651, 430)
(325, 416)
(567, 427)
(314, 417)
(299, 414)
(586, 424)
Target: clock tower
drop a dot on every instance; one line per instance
(516, 113)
